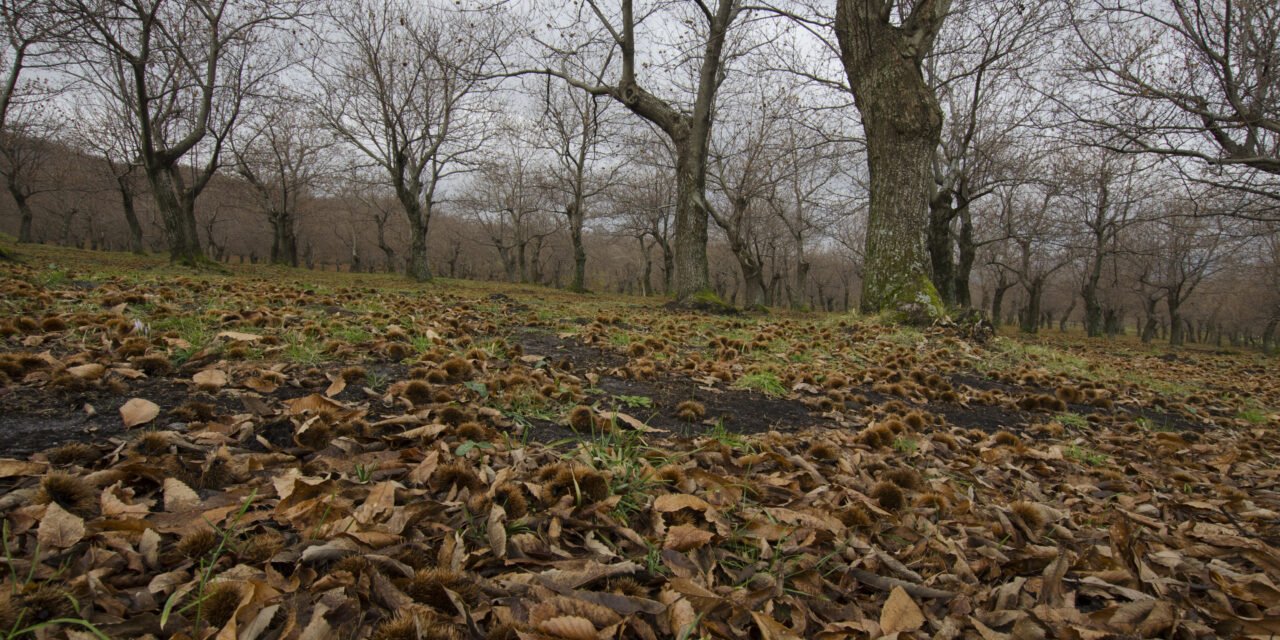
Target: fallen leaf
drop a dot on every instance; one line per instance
(243, 337)
(178, 496)
(900, 613)
(59, 529)
(685, 537)
(10, 467)
(91, 371)
(138, 411)
(211, 378)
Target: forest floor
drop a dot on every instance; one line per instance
(279, 453)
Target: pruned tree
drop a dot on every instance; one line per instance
(701, 53)
(25, 155)
(573, 127)
(405, 86)
(283, 156)
(104, 130)
(181, 68)
(882, 46)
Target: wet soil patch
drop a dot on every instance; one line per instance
(582, 357)
(739, 410)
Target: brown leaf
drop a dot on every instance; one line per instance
(379, 502)
(243, 337)
(10, 468)
(59, 529)
(313, 402)
(259, 384)
(138, 411)
(336, 387)
(211, 378)
(677, 501)
(680, 614)
(91, 371)
(496, 530)
(178, 496)
(771, 629)
(685, 537)
(900, 613)
(569, 628)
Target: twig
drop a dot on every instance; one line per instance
(885, 583)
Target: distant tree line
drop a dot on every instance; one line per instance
(1102, 163)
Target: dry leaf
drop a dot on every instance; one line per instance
(242, 337)
(59, 529)
(677, 501)
(686, 537)
(569, 628)
(178, 496)
(211, 378)
(900, 613)
(91, 371)
(10, 468)
(138, 411)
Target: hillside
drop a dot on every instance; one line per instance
(281, 453)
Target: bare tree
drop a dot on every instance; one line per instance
(25, 153)
(283, 156)
(980, 67)
(687, 126)
(574, 128)
(404, 85)
(182, 70)
(882, 45)
(1184, 79)
(103, 130)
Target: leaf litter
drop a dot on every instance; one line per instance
(250, 484)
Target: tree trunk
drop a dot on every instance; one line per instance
(576, 215)
(997, 301)
(967, 250)
(284, 244)
(1030, 318)
(1092, 306)
(419, 268)
(690, 264)
(131, 217)
(1152, 323)
(1176, 335)
(903, 124)
(24, 207)
(1269, 333)
(177, 212)
(938, 241)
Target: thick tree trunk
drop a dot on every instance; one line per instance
(177, 212)
(690, 264)
(284, 244)
(1269, 333)
(1092, 306)
(419, 220)
(997, 302)
(1176, 331)
(902, 122)
(24, 227)
(1029, 320)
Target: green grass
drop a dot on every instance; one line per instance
(1252, 416)
(764, 382)
(1080, 454)
(635, 402)
(1071, 420)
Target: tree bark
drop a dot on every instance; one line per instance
(130, 215)
(1030, 317)
(177, 211)
(24, 209)
(1176, 331)
(903, 124)
(576, 214)
(967, 250)
(941, 214)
